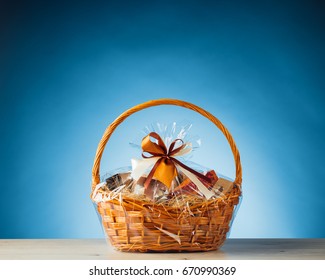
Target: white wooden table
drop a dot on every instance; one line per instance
(91, 249)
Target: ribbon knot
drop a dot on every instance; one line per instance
(165, 164)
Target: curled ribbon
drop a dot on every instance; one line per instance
(165, 164)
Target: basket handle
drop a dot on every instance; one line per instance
(165, 101)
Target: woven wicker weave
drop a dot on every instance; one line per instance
(132, 225)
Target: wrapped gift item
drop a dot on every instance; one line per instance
(118, 179)
(163, 202)
(156, 190)
(161, 163)
(189, 187)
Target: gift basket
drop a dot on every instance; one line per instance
(164, 204)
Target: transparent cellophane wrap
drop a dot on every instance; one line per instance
(137, 215)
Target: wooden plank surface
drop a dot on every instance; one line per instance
(91, 249)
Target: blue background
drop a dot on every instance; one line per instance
(68, 69)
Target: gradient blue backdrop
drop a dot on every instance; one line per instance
(68, 69)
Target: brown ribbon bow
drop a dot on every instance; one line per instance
(165, 169)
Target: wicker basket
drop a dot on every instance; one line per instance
(133, 225)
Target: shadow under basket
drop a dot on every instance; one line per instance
(137, 226)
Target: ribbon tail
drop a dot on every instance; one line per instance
(140, 166)
(152, 172)
(202, 188)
